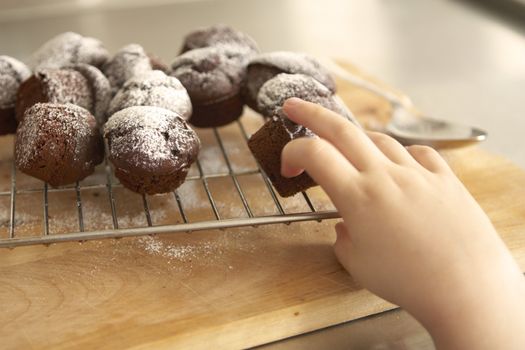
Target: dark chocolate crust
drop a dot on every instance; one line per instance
(267, 144)
(212, 76)
(30, 92)
(54, 86)
(153, 183)
(256, 76)
(151, 148)
(58, 143)
(218, 35)
(265, 66)
(7, 121)
(217, 113)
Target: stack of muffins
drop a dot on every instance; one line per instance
(77, 96)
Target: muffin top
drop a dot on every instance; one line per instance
(147, 139)
(69, 48)
(210, 73)
(294, 63)
(219, 35)
(65, 86)
(153, 88)
(12, 74)
(129, 61)
(100, 88)
(48, 126)
(275, 91)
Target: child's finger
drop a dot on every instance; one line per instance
(391, 148)
(345, 136)
(344, 247)
(342, 233)
(429, 158)
(323, 163)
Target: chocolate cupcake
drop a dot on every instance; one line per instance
(265, 66)
(153, 88)
(212, 76)
(275, 91)
(12, 74)
(58, 143)
(129, 61)
(69, 48)
(267, 145)
(219, 35)
(81, 85)
(151, 148)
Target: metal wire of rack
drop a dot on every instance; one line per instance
(82, 234)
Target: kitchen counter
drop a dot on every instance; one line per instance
(455, 61)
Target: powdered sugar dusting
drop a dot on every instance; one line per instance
(100, 88)
(211, 72)
(66, 86)
(139, 130)
(275, 91)
(220, 35)
(146, 137)
(296, 63)
(203, 253)
(8, 87)
(151, 245)
(153, 88)
(69, 48)
(67, 119)
(12, 74)
(193, 197)
(129, 61)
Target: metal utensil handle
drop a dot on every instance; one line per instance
(341, 73)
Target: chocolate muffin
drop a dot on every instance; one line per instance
(158, 64)
(153, 88)
(151, 148)
(69, 48)
(58, 143)
(265, 66)
(129, 61)
(267, 144)
(219, 35)
(212, 76)
(12, 74)
(275, 91)
(100, 89)
(81, 85)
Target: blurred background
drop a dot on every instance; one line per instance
(458, 60)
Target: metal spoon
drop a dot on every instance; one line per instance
(408, 127)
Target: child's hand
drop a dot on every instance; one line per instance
(411, 232)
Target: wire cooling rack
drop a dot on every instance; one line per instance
(106, 184)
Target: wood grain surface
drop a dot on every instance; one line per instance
(215, 289)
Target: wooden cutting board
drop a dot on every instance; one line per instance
(215, 289)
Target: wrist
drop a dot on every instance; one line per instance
(485, 312)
